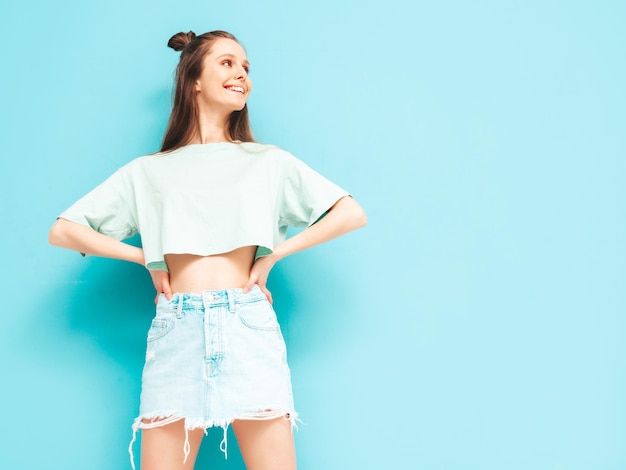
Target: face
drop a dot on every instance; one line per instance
(224, 84)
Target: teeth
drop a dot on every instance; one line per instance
(236, 88)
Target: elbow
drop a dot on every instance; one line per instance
(57, 235)
(355, 213)
(360, 218)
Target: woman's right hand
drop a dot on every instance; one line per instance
(161, 281)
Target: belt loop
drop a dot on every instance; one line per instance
(206, 304)
(179, 307)
(231, 300)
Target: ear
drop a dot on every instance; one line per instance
(197, 86)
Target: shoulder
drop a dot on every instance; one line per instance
(139, 164)
(257, 148)
(270, 155)
(131, 167)
(273, 153)
(133, 170)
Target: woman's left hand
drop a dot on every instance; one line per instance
(258, 275)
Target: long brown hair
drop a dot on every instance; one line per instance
(183, 123)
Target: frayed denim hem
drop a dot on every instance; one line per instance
(197, 423)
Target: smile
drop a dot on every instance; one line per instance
(235, 88)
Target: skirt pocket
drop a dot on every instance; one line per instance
(159, 328)
(258, 316)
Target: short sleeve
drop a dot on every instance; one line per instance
(306, 194)
(106, 209)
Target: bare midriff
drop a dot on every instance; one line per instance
(194, 273)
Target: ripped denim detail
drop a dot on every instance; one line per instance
(197, 423)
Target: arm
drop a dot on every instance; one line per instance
(346, 215)
(77, 237)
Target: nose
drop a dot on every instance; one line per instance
(240, 73)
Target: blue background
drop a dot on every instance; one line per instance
(477, 322)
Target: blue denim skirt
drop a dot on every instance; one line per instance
(212, 358)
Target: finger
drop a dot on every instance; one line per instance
(249, 285)
(167, 290)
(265, 291)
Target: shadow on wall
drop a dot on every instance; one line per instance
(110, 305)
(92, 341)
(89, 343)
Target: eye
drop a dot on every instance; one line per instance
(227, 63)
(246, 68)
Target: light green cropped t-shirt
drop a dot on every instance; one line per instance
(207, 199)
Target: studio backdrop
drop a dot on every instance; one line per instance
(476, 323)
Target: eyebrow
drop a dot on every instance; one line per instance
(232, 56)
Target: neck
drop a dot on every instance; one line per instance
(211, 128)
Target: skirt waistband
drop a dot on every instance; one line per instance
(208, 298)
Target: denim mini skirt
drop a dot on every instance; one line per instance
(214, 357)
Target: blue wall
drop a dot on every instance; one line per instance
(478, 322)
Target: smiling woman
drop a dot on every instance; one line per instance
(224, 82)
(212, 208)
(208, 64)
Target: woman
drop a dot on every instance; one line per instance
(212, 208)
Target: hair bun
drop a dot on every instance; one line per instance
(180, 40)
